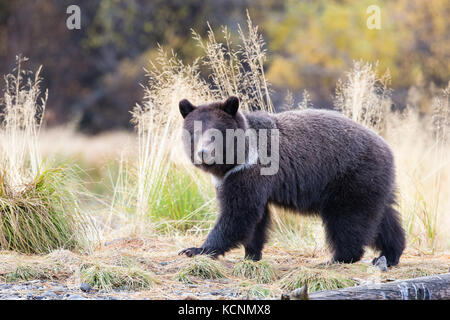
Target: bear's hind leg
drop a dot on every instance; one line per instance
(255, 243)
(347, 233)
(390, 239)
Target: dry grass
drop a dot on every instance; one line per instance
(238, 70)
(106, 277)
(158, 190)
(363, 96)
(22, 113)
(158, 267)
(65, 143)
(140, 191)
(200, 267)
(421, 151)
(261, 271)
(27, 272)
(316, 280)
(39, 204)
(156, 123)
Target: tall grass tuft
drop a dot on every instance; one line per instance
(39, 209)
(157, 121)
(363, 96)
(162, 190)
(238, 70)
(202, 267)
(316, 280)
(142, 188)
(421, 151)
(297, 232)
(105, 277)
(191, 208)
(260, 271)
(441, 124)
(27, 272)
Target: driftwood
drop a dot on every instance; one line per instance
(425, 288)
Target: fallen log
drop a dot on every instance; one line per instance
(435, 287)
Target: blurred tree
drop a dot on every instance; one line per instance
(94, 73)
(37, 30)
(313, 42)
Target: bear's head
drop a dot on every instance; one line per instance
(208, 137)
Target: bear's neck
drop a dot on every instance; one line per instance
(251, 157)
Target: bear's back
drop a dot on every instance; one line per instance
(327, 131)
(318, 148)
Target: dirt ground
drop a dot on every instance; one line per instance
(158, 256)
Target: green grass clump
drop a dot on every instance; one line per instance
(173, 200)
(183, 277)
(256, 291)
(183, 203)
(112, 277)
(419, 272)
(202, 267)
(43, 215)
(316, 280)
(26, 273)
(260, 271)
(38, 206)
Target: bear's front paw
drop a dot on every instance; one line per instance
(190, 252)
(252, 255)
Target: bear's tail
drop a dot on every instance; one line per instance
(390, 239)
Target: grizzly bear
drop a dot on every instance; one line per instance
(328, 165)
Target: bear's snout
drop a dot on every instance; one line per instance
(202, 154)
(206, 154)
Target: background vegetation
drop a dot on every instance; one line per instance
(93, 74)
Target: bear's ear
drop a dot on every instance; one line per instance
(185, 107)
(231, 105)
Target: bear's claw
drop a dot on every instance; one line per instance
(190, 252)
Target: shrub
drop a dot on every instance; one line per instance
(39, 208)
